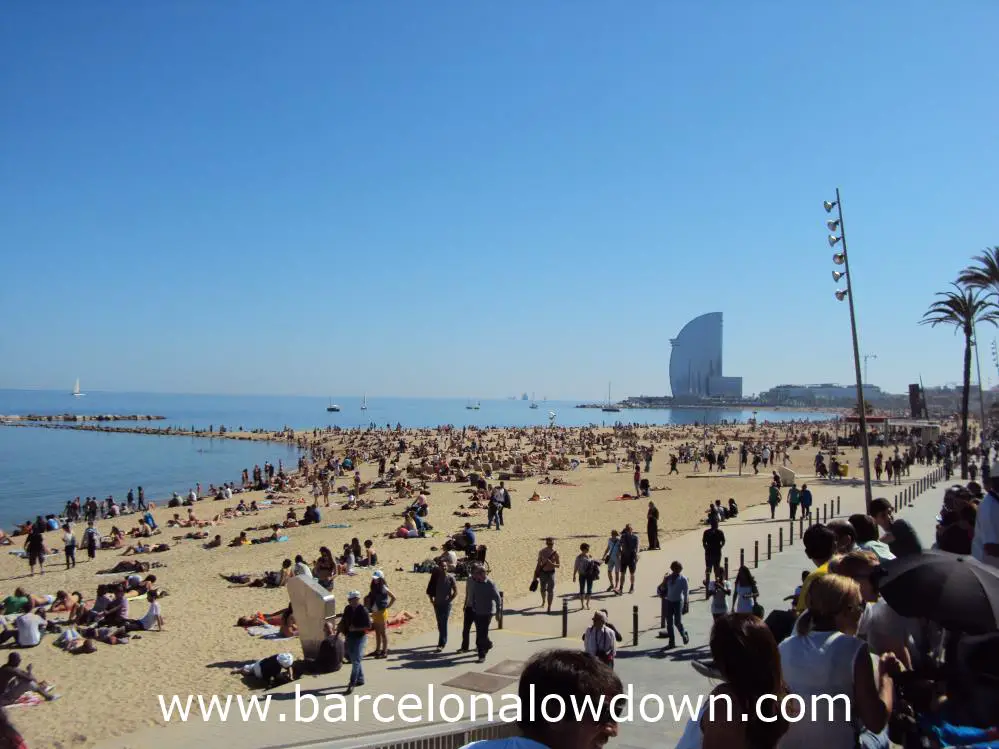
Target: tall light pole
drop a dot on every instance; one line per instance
(981, 394)
(841, 258)
(866, 357)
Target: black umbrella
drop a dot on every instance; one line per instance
(958, 592)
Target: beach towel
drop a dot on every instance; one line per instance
(28, 699)
(280, 539)
(338, 525)
(623, 496)
(276, 636)
(262, 630)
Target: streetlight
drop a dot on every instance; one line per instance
(842, 258)
(866, 357)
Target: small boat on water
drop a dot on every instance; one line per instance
(472, 407)
(76, 389)
(364, 403)
(332, 407)
(534, 403)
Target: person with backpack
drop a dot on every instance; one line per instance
(586, 569)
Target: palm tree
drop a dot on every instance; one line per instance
(963, 308)
(985, 274)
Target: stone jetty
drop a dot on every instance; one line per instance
(76, 418)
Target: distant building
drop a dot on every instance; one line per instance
(827, 394)
(695, 363)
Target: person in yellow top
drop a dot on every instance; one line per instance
(820, 545)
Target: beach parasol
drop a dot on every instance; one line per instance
(958, 592)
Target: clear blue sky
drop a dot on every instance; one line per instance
(479, 198)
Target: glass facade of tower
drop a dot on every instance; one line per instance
(695, 364)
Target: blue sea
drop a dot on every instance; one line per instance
(44, 468)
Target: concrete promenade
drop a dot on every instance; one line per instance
(527, 630)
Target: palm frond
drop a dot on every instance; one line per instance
(962, 308)
(985, 273)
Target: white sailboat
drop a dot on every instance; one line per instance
(364, 402)
(534, 403)
(332, 407)
(76, 389)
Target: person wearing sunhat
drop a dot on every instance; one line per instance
(355, 623)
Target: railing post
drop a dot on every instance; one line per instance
(565, 617)
(780, 537)
(838, 506)
(499, 614)
(634, 625)
(742, 557)
(756, 554)
(726, 568)
(770, 543)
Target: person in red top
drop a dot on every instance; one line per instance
(638, 480)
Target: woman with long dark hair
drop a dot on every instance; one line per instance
(745, 654)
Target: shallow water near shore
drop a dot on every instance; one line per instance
(44, 468)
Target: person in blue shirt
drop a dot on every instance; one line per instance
(805, 497)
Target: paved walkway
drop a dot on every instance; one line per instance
(527, 630)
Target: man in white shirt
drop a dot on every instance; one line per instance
(28, 629)
(985, 542)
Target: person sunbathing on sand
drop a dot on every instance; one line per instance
(15, 681)
(125, 566)
(113, 541)
(214, 543)
(288, 626)
(269, 539)
(240, 540)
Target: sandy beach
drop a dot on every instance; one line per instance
(113, 691)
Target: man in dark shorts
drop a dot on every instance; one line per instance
(629, 556)
(548, 562)
(713, 540)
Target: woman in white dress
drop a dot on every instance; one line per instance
(745, 654)
(746, 593)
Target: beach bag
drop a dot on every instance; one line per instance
(534, 585)
(593, 570)
(506, 499)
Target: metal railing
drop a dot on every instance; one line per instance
(445, 736)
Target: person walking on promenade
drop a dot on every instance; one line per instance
(806, 501)
(598, 640)
(548, 563)
(793, 498)
(653, 526)
(629, 557)
(746, 593)
(612, 558)
(718, 591)
(442, 590)
(583, 569)
(774, 498)
(355, 624)
(713, 541)
(485, 602)
(674, 592)
(468, 616)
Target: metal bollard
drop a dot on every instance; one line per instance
(770, 543)
(838, 506)
(790, 540)
(742, 557)
(756, 554)
(634, 625)
(499, 613)
(565, 618)
(825, 512)
(726, 568)
(780, 538)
